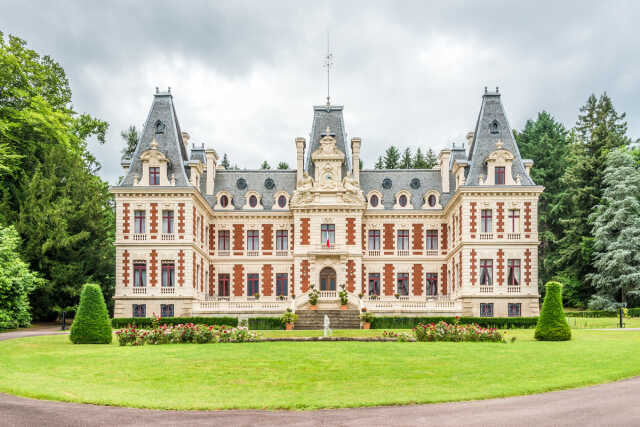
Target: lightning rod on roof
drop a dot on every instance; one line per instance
(328, 63)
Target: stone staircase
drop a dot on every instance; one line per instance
(339, 319)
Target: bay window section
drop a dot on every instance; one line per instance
(486, 272)
(139, 275)
(432, 240)
(513, 272)
(432, 284)
(168, 275)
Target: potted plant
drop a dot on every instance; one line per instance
(397, 296)
(313, 297)
(366, 318)
(288, 319)
(344, 298)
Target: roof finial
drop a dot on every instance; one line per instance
(328, 64)
(157, 90)
(154, 143)
(497, 89)
(485, 90)
(169, 89)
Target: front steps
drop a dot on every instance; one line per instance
(339, 319)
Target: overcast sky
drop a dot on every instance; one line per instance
(245, 75)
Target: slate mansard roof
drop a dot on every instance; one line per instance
(401, 179)
(256, 180)
(327, 116)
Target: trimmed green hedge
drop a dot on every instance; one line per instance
(552, 325)
(486, 322)
(633, 312)
(265, 323)
(145, 322)
(91, 324)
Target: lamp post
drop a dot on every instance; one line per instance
(64, 320)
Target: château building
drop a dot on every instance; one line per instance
(195, 239)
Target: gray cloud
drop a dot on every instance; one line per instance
(245, 74)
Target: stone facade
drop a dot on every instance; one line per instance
(194, 239)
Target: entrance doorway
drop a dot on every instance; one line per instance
(328, 279)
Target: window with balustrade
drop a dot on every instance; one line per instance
(224, 240)
(168, 275)
(139, 274)
(139, 222)
(499, 171)
(486, 272)
(432, 284)
(374, 240)
(328, 234)
(513, 272)
(282, 284)
(139, 310)
(403, 240)
(514, 220)
(514, 309)
(486, 309)
(374, 284)
(403, 284)
(253, 284)
(282, 240)
(166, 310)
(485, 221)
(167, 222)
(253, 240)
(224, 281)
(154, 176)
(432, 240)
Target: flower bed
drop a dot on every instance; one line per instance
(443, 331)
(187, 333)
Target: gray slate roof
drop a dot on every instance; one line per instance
(330, 116)
(484, 142)
(170, 142)
(284, 180)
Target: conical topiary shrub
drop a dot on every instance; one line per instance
(91, 324)
(552, 324)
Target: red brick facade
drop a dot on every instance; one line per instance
(473, 267)
(389, 284)
(212, 239)
(418, 238)
(351, 275)
(500, 267)
(363, 235)
(153, 228)
(292, 239)
(238, 239)
(351, 231)
(444, 237)
(460, 223)
(267, 280)
(195, 279)
(125, 220)
(212, 282)
(417, 279)
(460, 269)
(305, 232)
(389, 239)
(363, 290)
(181, 267)
(473, 219)
(267, 239)
(181, 220)
(500, 219)
(238, 280)
(304, 275)
(527, 267)
(292, 280)
(443, 279)
(153, 268)
(527, 219)
(125, 267)
(195, 230)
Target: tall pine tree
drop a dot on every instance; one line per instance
(407, 160)
(431, 160)
(225, 161)
(379, 164)
(418, 160)
(392, 158)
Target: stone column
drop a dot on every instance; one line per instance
(212, 159)
(300, 145)
(355, 151)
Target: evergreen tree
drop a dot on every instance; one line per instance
(552, 323)
(91, 324)
(616, 231)
(379, 164)
(547, 143)
(599, 129)
(225, 161)
(131, 138)
(407, 159)
(283, 165)
(392, 158)
(418, 160)
(431, 160)
(360, 164)
(265, 165)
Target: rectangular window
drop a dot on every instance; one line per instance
(223, 285)
(154, 176)
(139, 226)
(139, 274)
(513, 272)
(168, 275)
(403, 284)
(515, 309)
(500, 175)
(167, 222)
(328, 234)
(374, 240)
(432, 240)
(374, 284)
(403, 240)
(282, 284)
(139, 310)
(514, 217)
(486, 309)
(224, 240)
(485, 222)
(166, 310)
(486, 272)
(252, 284)
(432, 284)
(253, 240)
(282, 240)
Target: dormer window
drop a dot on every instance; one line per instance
(402, 200)
(432, 201)
(499, 170)
(159, 127)
(154, 176)
(374, 200)
(282, 201)
(224, 201)
(494, 127)
(253, 201)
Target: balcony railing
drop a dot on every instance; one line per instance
(235, 306)
(282, 253)
(253, 253)
(374, 253)
(166, 290)
(431, 252)
(486, 236)
(486, 289)
(139, 236)
(433, 304)
(139, 290)
(513, 289)
(402, 252)
(328, 295)
(168, 236)
(513, 236)
(224, 253)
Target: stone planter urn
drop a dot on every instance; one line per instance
(343, 307)
(288, 326)
(366, 325)
(313, 307)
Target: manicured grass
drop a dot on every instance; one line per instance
(602, 322)
(310, 375)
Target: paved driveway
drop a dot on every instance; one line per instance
(613, 404)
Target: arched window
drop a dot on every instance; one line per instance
(431, 200)
(253, 201)
(402, 200)
(224, 201)
(282, 201)
(374, 200)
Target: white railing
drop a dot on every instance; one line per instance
(140, 236)
(168, 237)
(486, 236)
(513, 236)
(513, 289)
(431, 252)
(167, 290)
(486, 289)
(139, 290)
(325, 247)
(441, 305)
(224, 253)
(374, 253)
(253, 253)
(235, 306)
(282, 253)
(328, 295)
(402, 253)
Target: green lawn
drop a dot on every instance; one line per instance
(602, 322)
(310, 375)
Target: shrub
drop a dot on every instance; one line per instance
(367, 317)
(91, 324)
(288, 317)
(147, 322)
(592, 313)
(443, 331)
(183, 334)
(486, 322)
(552, 324)
(264, 323)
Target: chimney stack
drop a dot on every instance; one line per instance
(300, 146)
(355, 151)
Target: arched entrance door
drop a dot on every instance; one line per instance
(328, 279)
